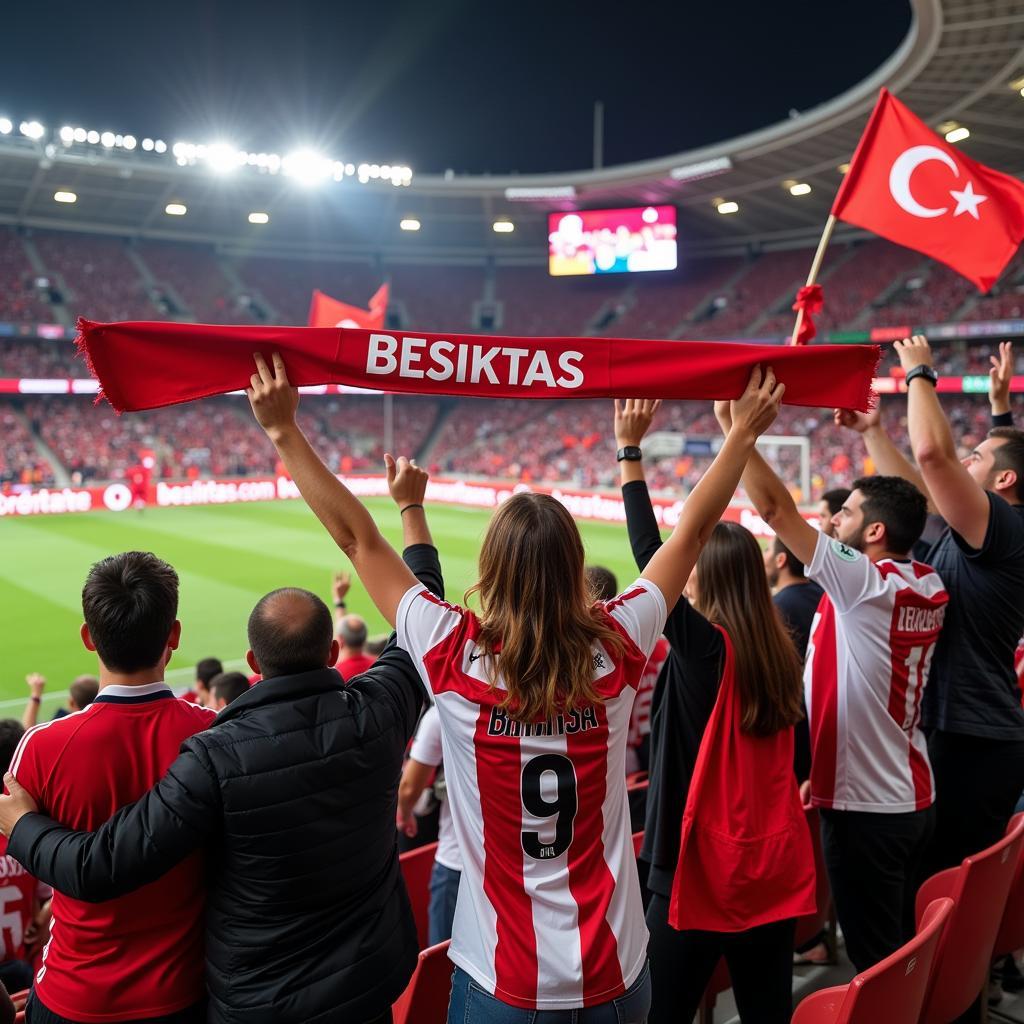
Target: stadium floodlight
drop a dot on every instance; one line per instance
(129, 142)
(176, 209)
(147, 145)
(65, 197)
(223, 158)
(409, 224)
(92, 137)
(1022, 93)
(107, 140)
(306, 166)
(32, 130)
(503, 227)
(67, 135)
(519, 195)
(160, 146)
(799, 188)
(958, 134)
(843, 168)
(6, 126)
(81, 135)
(701, 169)
(259, 218)
(727, 206)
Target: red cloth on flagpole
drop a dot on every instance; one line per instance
(148, 365)
(327, 312)
(909, 185)
(811, 299)
(745, 853)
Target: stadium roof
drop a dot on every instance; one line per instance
(961, 64)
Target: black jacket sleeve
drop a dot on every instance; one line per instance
(425, 565)
(137, 845)
(644, 536)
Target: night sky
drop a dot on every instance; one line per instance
(472, 85)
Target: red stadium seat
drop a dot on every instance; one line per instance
(1011, 931)
(823, 919)
(425, 1000)
(20, 998)
(979, 889)
(893, 990)
(416, 867)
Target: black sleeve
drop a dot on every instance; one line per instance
(692, 637)
(1002, 419)
(425, 565)
(136, 846)
(1004, 537)
(644, 536)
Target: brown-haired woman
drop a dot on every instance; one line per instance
(534, 693)
(729, 856)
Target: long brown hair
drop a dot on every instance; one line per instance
(732, 592)
(537, 610)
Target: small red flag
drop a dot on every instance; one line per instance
(811, 299)
(327, 312)
(909, 185)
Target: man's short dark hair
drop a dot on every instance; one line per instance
(11, 731)
(84, 690)
(228, 685)
(836, 499)
(207, 669)
(602, 582)
(898, 505)
(287, 645)
(1010, 454)
(130, 603)
(793, 564)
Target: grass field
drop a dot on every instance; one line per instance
(227, 557)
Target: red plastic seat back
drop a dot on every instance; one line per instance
(810, 925)
(979, 888)
(416, 867)
(1011, 931)
(425, 1000)
(893, 990)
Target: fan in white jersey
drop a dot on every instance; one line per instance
(871, 645)
(534, 694)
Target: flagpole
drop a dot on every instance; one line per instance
(819, 257)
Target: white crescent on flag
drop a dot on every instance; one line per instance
(899, 178)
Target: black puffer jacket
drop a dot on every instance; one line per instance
(293, 794)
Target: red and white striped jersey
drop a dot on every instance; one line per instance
(549, 914)
(871, 647)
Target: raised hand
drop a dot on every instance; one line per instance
(36, 684)
(755, 410)
(272, 397)
(340, 586)
(858, 421)
(633, 419)
(913, 352)
(999, 378)
(406, 481)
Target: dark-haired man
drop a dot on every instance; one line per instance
(293, 791)
(829, 505)
(867, 665)
(973, 707)
(139, 957)
(225, 688)
(206, 669)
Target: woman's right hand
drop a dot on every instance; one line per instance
(407, 482)
(755, 410)
(633, 419)
(273, 399)
(858, 421)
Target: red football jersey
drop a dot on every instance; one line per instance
(140, 955)
(20, 894)
(354, 666)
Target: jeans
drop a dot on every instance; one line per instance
(444, 894)
(470, 1004)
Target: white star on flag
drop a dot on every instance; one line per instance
(967, 201)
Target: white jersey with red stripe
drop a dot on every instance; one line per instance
(870, 651)
(549, 914)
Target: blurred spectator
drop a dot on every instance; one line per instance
(206, 670)
(226, 687)
(81, 693)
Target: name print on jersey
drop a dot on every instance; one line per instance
(500, 724)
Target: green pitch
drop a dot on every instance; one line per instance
(227, 557)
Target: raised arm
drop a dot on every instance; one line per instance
(136, 846)
(381, 569)
(36, 686)
(888, 459)
(999, 380)
(632, 420)
(771, 498)
(752, 413)
(956, 497)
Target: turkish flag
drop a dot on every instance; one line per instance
(909, 185)
(327, 312)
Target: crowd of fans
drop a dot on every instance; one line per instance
(911, 771)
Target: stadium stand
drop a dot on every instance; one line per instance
(19, 299)
(20, 461)
(437, 298)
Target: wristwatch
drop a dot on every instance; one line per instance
(927, 372)
(631, 453)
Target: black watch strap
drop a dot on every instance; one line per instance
(927, 372)
(631, 453)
